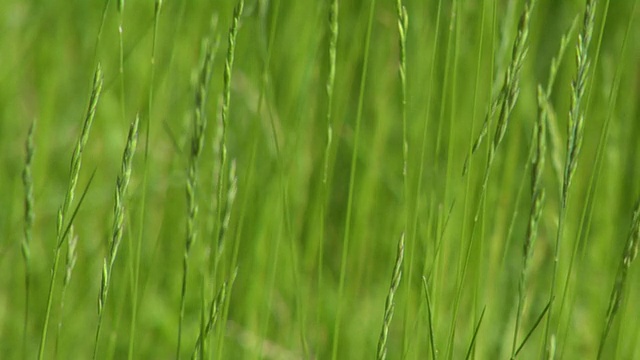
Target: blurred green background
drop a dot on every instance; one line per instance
(284, 302)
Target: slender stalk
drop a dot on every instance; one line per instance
(70, 263)
(390, 302)
(197, 143)
(352, 180)
(29, 219)
(537, 203)
(629, 255)
(432, 341)
(574, 142)
(505, 102)
(226, 104)
(122, 185)
(143, 200)
(63, 212)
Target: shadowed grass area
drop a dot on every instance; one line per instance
(500, 137)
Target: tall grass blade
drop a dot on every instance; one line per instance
(475, 334)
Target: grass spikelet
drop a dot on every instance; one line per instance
(511, 87)
(403, 27)
(232, 191)
(226, 95)
(122, 184)
(628, 256)
(537, 202)
(576, 118)
(29, 219)
(63, 211)
(574, 139)
(330, 82)
(215, 310)
(331, 77)
(390, 302)
(70, 263)
(76, 159)
(197, 143)
(546, 106)
(508, 96)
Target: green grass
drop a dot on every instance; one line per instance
(283, 147)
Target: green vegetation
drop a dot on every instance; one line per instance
(258, 179)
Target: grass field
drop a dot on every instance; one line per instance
(271, 179)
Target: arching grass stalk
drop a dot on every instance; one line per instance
(197, 143)
(574, 141)
(63, 212)
(29, 219)
(122, 185)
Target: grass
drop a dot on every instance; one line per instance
(259, 218)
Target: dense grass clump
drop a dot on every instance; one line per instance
(278, 149)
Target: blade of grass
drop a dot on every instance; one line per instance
(432, 341)
(135, 273)
(352, 180)
(475, 334)
(533, 328)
